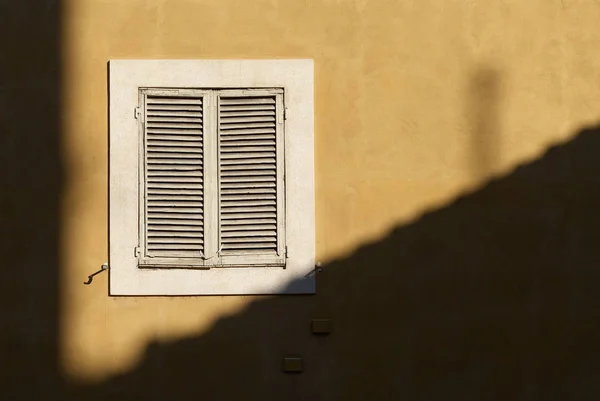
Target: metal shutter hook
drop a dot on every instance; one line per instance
(91, 276)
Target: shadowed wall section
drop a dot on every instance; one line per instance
(30, 190)
(491, 297)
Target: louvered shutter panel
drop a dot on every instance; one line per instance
(248, 174)
(173, 169)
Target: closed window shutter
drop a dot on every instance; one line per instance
(250, 176)
(173, 171)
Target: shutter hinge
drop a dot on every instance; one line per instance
(137, 113)
(136, 251)
(285, 113)
(286, 252)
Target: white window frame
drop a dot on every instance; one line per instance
(296, 78)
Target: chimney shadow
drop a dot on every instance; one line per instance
(485, 128)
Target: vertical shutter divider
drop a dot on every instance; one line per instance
(211, 216)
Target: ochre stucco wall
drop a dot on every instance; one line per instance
(417, 103)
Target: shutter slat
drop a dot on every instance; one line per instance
(167, 145)
(152, 125)
(191, 185)
(177, 168)
(174, 119)
(175, 173)
(171, 230)
(251, 173)
(250, 185)
(187, 186)
(249, 131)
(173, 107)
(161, 200)
(233, 144)
(246, 167)
(246, 216)
(253, 202)
(246, 226)
(241, 179)
(247, 126)
(179, 248)
(249, 233)
(265, 160)
(233, 113)
(174, 159)
(158, 224)
(179, 140)
(234, 136)
(225, 156)
(226, 120)
(259, 246)
(228, 197)
(179, 253)
(154, 99)
(194, 132)
(246, 240)
(245, 222)
(159, 148)
(169, 191)
(185, 242)
(187, 203)
(174, 113)
(166, 237)
(249, 107)
(246, 191)
(165, 218)
(170, 198)
(177, 178)
(247, 149)
(245, 100)
(180, 210)
(189, 154)
(174, 176)
(251, 211)
(155, 177)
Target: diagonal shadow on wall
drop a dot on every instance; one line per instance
(493, 297)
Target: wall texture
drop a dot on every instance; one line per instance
(418, 103)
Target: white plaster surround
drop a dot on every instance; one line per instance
(296, 77)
